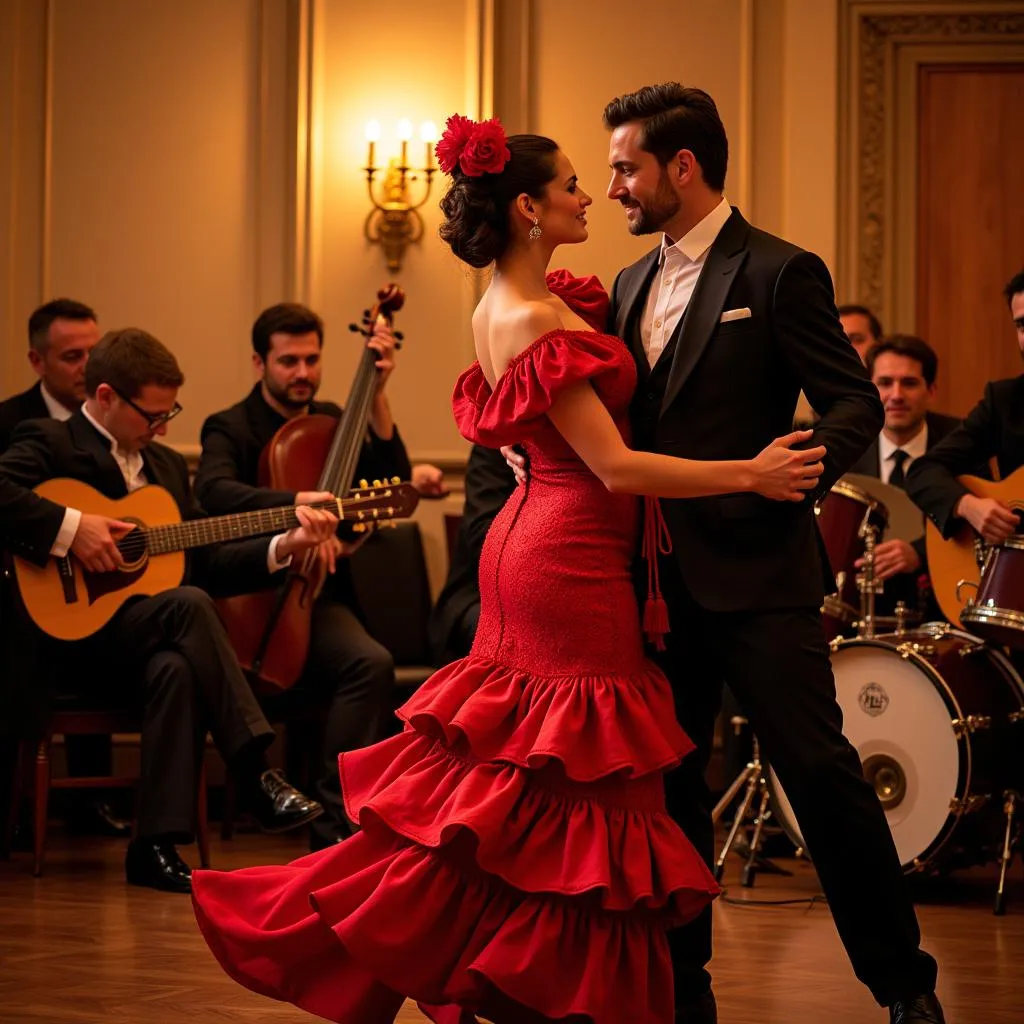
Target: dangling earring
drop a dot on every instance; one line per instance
(535, 231)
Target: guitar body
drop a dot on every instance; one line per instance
(953, 563)
(70, 603)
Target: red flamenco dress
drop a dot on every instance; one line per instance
(515, 859)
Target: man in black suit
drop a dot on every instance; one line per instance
(904, 368)
(453, 621)
(345, 663)
(172, 643)
(727, 325)
(994, 429)
(61, 334)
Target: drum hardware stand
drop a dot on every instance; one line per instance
(1010, 801)
(867, 584)
(753, 777)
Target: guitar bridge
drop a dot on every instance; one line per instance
(66, 574)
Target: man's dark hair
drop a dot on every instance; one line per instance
(284, 318)
(58, 309)
(913, 348)
(130, 359)
(874, 324)
(674, 117)
(1014, 287)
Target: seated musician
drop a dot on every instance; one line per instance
(994, 429)
(489, 482)
(61, 333)
(904, 369)
(169, 652)
(345, 665)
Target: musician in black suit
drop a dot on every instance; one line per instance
(345, 664)
(727, 324)
(994, 429)
(61, 333)
(167, 653)
(904, 368)
(489, 483)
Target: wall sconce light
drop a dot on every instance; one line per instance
(395, 221)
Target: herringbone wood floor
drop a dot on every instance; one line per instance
(78, 946)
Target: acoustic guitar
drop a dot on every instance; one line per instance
(70, 603)
(954, 565)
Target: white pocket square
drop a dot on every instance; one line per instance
(734, 314)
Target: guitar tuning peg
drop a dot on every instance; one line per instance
(366, 315)
(363, 484)
(377, 483)
(396, 480)
(359, 527)
(356, 328)
(399, 336)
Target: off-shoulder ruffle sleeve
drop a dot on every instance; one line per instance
(585, 296)
(534, 379)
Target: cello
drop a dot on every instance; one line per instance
(270, 631)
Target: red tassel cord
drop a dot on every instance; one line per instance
(657, 541)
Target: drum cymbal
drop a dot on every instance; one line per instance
(906, 520)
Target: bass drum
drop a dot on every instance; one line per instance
(938, 720)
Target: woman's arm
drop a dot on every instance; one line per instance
(779, 472)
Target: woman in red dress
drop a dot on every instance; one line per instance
(514, 858)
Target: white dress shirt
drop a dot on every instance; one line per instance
(679, 267)
(133, 470)
(915, 448)
(56, 409)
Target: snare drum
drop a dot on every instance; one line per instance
(997, 614)
(937, 719)
(841, 516)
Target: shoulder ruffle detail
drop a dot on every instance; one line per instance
(533, 380)
(585, 296)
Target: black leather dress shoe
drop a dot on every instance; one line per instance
(157, 865)
(278, 806)
(922, 1010)
(702, 1010)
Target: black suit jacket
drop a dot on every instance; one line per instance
(489, 484)
(45, 449)
(29, 405)
(731, 389)
(233, 440)
(994, 428)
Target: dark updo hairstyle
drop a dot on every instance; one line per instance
(476, 209)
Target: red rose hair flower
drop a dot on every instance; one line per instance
(475, 147)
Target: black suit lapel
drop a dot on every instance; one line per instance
(35, 405)
(108, 479)
(631, 307)
(694, 331)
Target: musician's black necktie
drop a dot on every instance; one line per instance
(897, 477)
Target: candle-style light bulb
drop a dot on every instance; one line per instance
(372, 135)
(404, 132)
(428, 133)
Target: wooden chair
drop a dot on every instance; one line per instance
(77, 720)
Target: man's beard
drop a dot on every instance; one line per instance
(663, 206)
(291, 401)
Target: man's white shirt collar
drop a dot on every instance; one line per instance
(56, 410)
(696, 242)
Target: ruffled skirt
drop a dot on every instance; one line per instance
(515, 860)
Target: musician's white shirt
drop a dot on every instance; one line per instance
(133, 471)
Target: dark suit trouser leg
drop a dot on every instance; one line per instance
(776, 663)
(357, 676)
(191, 682)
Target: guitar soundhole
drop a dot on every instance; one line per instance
(133, 546)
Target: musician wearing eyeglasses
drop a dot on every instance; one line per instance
(994, 429)
(167, 653)
(344, 664)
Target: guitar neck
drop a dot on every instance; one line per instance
(195, 533)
